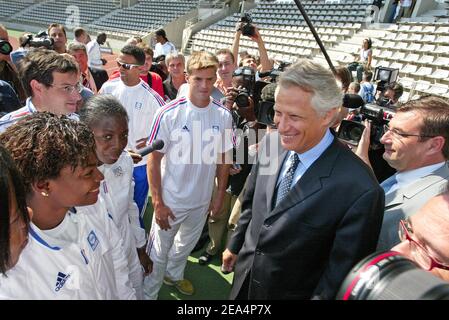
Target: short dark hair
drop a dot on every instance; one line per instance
(134, 51)
(100, 107)
(225, 51)
(78, 32)
(435, 114)
(39, 65)
(161, 32)
(146, 49)
(10, 182)
(57, 25)
(42, 144)
(397, 88)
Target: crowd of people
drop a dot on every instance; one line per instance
(250, 159)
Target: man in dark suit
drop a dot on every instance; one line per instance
(91, 77)
(312, 209)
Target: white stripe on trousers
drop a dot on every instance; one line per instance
(169, 249)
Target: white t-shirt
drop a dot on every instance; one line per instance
(82, 258)
(141, 103)
(94, 54)
(164, 49)
(190, 135)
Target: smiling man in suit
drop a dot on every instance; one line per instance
(317, 212)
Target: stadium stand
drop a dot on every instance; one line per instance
(418, 47)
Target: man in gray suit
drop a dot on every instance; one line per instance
(417, 146)
(312, 209)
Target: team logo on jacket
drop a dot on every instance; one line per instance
(93, 240)
(185, 128)
(215, 129)
(61, 280)
(138, 105)
(118, 172)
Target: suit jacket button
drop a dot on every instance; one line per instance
(258, 252)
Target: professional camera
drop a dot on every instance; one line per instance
(391, 276)
(351, 130)
(40, 40)
(247, 29)
(385, 76)
(247, 84)
(5, 47)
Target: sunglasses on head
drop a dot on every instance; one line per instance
(127, 66)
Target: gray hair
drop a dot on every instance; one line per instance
(172, 56)
(75, 46)
(312, 77)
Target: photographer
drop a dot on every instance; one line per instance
(416, 145)
(390, 97)
(246, 28)
(8, 71)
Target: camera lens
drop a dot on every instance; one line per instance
(355, 133)
(242, 100)
(391, 276)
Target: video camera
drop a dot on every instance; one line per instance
(265, 107)
(5, 47)
(40, 40)
(391, 276)
(385, 76)
(351, 130)
(247, 28)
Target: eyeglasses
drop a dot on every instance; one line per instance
(421, 255)
(398, 134)
(69, 89)
(127, 66)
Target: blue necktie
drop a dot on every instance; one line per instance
(286, 181)
(389, 183)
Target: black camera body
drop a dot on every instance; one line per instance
(247, 82)
(40, 40)
(351, 130)
(5, 47)
(384, 76)
(391, 276)
(247, 29)
(242, 98)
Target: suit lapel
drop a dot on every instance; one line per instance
(397, 197)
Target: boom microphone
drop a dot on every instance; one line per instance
(156, 145)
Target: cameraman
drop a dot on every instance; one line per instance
(416, 145)
(390, 96)
(57, 32)
(265, 64)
